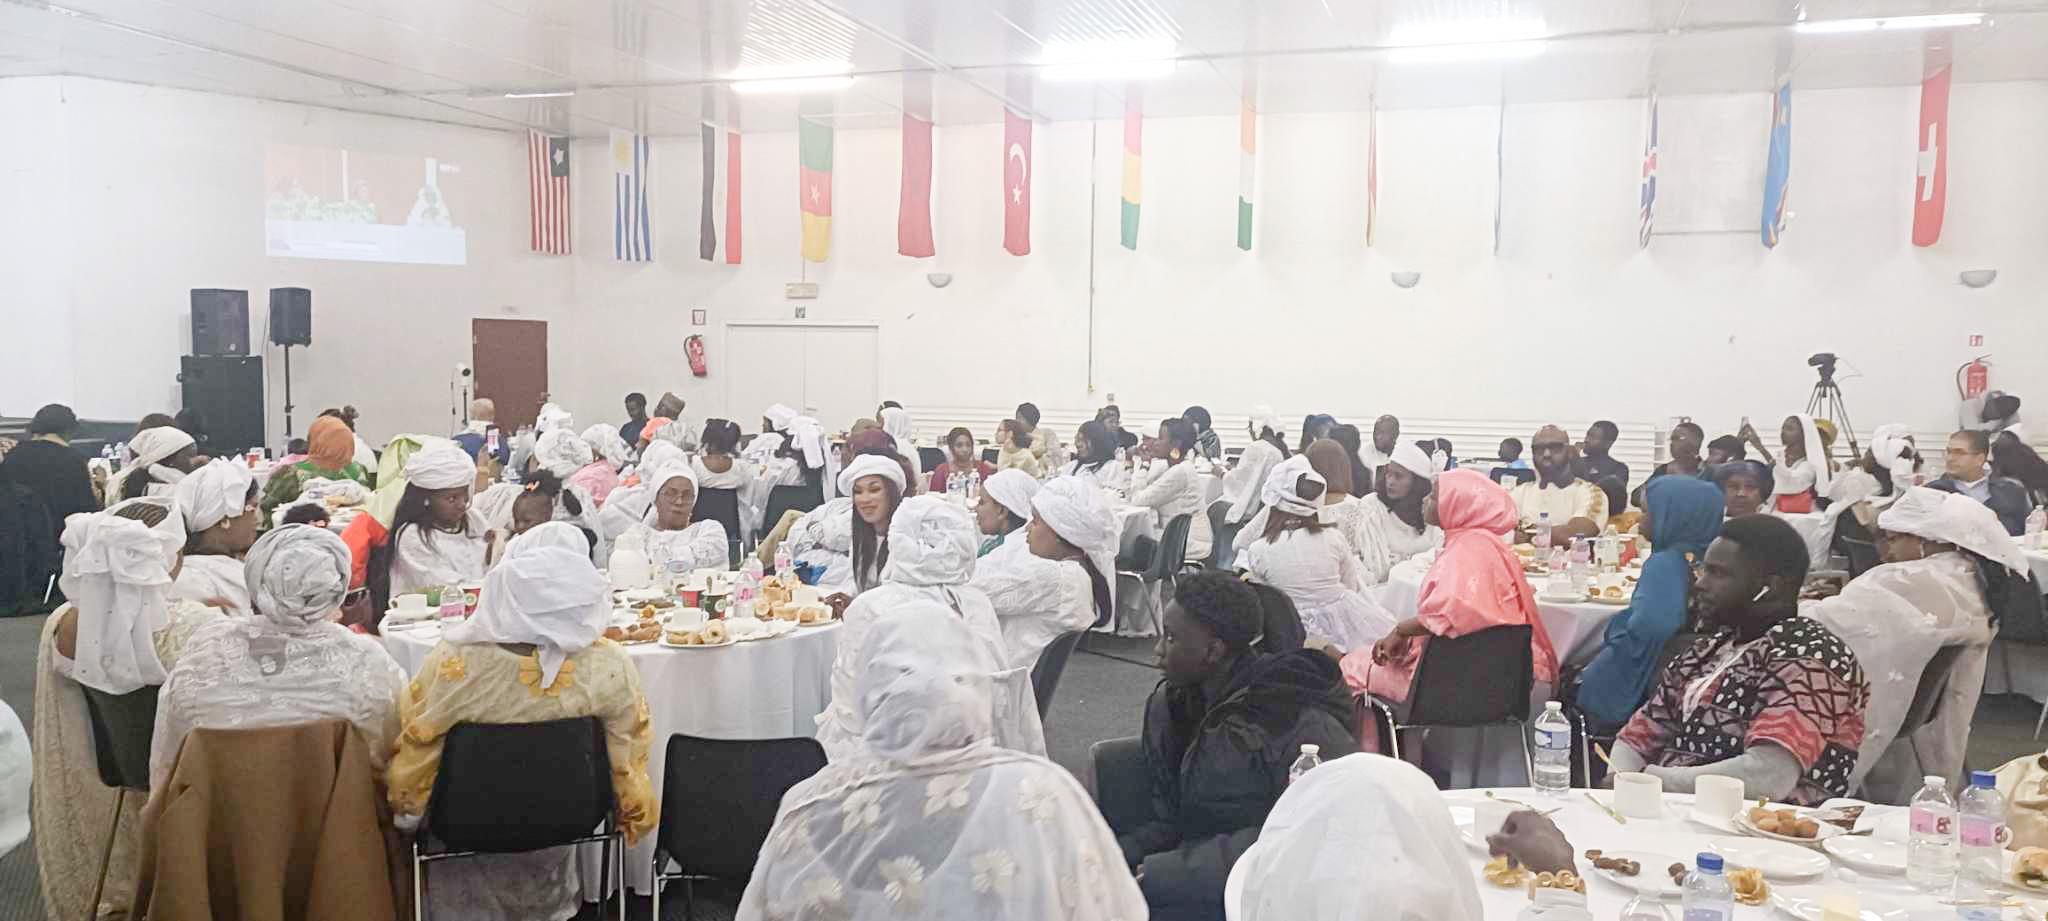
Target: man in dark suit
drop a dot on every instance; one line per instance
(1969, 473)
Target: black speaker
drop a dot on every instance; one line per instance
(291, 316)
(227, 391)
(220, 321)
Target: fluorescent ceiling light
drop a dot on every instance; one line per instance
(554, 94)
(1889, 23)
(1467, 40)
(802, 77)
(1107, 59)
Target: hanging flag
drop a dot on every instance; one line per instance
(1247, 171)
(814, 178)
(1930, 184)
(1500, 173)
(914, 206)
(1778, 163)
(707, 226)
(1134, 133)
(632, 236)
(1016, 184)
(547, 176)
(1372, 168)
(732, 198)
(1649, 190)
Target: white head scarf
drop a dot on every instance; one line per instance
(297, 575)
(655, 478)
(1281, 487)
(896, 421)
(1411, 457)
(659, 454)
(809, 437)
(441, 465)
(603, 438)
(214, 493)
(1263, 417)
(931, 542)
(151, 447)
(1014, 489)
(871, 465)
(1075, 510)
(925, 685)
(1361, 837)
(562, 452)
(1816, 454)
(1954, 519)
(552, 417)
(117, 573)
(779, 417)
(545, 592)
(1886, 444)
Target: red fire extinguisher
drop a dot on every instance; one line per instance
(1974, 379)
(693, 348)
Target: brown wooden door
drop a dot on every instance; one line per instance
(511, 361)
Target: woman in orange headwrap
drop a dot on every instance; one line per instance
(330, 452)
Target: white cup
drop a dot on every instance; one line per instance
(804, 594)
(414, 602)
(687, 619)
(1487, 817)
(1717, 796)
(1638, 796)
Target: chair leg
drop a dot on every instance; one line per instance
(689, 899)
(107, 854)
(619, 863)
(1585, 748)
(1528, 760)
(654, 885)
(419, 883)
(2040, 719)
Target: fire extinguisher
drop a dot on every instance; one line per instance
(1974, 379)
(693, 347)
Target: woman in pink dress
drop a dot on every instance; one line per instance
(1475, 583)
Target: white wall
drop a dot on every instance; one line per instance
(161, 192)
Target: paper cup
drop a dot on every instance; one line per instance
(805, 594)
(1638, 796)
(688, 618)
(414, 602)
(1717, 796)
(471, 591)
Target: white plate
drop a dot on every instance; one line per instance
(1827, 830)
(2012, 858)
(1562, 599)
(1778, 860)
(1868, 853)
(1726, 823)
(1653, 881)
(728, 642)
(1806, 905)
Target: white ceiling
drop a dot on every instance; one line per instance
(662, 66)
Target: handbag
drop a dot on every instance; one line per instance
(2023, 782)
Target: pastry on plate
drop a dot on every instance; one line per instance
(2030, 867)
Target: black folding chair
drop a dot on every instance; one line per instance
(122, 725)
(1052, 660)
(1123, 794)
(1502, 475)
(719, 800)
(1163, 567)
(722, 506)
(1444, 694)
(1856, 543)
(1927, 697)
(930, 459)
(512, 788)
(991, 455)
(1679, 642)
(790, 498)
(1221, 535)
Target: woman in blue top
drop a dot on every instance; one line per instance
(1683, 517)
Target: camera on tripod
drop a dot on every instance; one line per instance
(1825, 361)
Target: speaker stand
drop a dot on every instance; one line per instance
(287, 394)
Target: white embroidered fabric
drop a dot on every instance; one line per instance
(823, 537)
(446, 558)
(1036, 600)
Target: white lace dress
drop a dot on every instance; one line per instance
(445, 558)
(1036, 600)
(205, 578)
(823, 537)
(1384, 540)
(702, 545)
(1319, 573)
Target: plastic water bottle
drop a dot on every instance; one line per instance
(452, 607)
(1308, 761)
(1542, 536)
(973, 481)
(1931, 845)
(1644, 908)
(1581, 563)
(783, 564)
(1553, 751)
(1982, 833)
(1708, 896)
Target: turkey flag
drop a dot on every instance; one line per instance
(1930, 182)
(1016, 183)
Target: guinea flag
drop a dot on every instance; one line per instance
(1134, 133)
(814, 178)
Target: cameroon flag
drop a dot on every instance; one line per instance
(1134, 132)
(814, 148)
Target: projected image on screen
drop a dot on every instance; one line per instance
(328, 203)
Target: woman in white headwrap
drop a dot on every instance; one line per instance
(608, 456)
(1004, 510)
(552, 418)
(1243, 484)
(120, 631)
(163, 455)
(932, 556)
(436, 538)
(1391, 527)
(1950, 570)
(288, 663)
(1165, 480)
(775, 422)
(672, 533)
(1311, 562)
(1803, 473)
(847, 538)
(1057, 579)
(897, 422)
(219, 506)
(534, 651)
(1362, 837)
(925, 815)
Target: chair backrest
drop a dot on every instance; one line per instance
(513, 787)
(719, 798)
(1933, 686)
(786, 498)
(1045, 676)
(2025, 624)
(930, 459)
(1444, 692)
(1173, 549)
(1123, 789)
(122, 725)
(1856, 543)
(991, 455)
(723, 506)
(1221, 534)
(1678, 643)
(1502, 474)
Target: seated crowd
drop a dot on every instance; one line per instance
(246, 604)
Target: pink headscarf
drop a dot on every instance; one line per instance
(1476, 581)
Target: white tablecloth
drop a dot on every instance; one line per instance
(766, 689)
(1574, 628)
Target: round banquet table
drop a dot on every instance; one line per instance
(764, 689)
(1676, 837)
(1574, 628)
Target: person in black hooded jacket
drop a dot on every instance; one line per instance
(1239, 698)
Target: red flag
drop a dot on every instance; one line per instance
(1930, 182)
(914, 206)
(1016, 184)
(732, 198)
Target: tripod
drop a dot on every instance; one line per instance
(1826, 403)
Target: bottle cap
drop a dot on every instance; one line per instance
(1709, 862)
(1934, 780)
(1310, 749)
(1983, 780)
(1554, 706)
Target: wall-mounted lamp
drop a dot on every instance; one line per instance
(1978, 278)
(1405, 279)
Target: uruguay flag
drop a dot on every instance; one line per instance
(1778, 167)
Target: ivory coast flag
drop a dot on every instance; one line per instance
(1247, 172)
(814, 178)
(1134, 130)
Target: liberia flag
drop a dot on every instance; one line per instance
(1930, 182)
(1649, 189)
(547, 175)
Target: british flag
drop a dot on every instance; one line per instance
(1649, 190)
